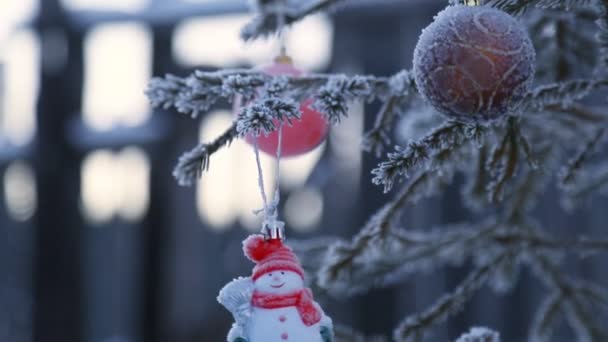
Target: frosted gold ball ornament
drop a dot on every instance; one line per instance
(474, 63)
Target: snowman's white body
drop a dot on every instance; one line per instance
(280, 325)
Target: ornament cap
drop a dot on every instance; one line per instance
(283, 59)
(471, 2)
(273, 230)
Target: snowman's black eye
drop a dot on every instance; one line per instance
(282, 272)
(270, 274)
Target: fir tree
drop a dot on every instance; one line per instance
(508, 163)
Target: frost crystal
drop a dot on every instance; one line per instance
(262, 116)
(479, 334)
(474, 63)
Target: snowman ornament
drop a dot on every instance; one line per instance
(273, 305)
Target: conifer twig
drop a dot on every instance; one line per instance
(191, 164)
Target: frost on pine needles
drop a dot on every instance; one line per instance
(479, 334)
(263, 116)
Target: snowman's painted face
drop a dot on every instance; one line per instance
(279, 282)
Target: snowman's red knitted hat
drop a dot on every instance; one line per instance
(270, 255)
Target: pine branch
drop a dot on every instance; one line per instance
(266, 20)
(581, 244)
(414, 327)
(479, 334)
(441, 142)
(546, 317)
(268, 99)
(377, 137)
(581, 112)
(513, 7)
(563, 94)
(344, 262)
(518, 7)
(569, 172)
(403, 83)
(602, 35)
(474, 192)
(191, 164)
(262, 116)
(198, 92)
(504, 162)
(591, 180)
(578, 314)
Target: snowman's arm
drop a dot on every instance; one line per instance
(327, 326)
(236, 297)
(325, 320)
(327, 334)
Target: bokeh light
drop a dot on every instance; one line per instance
(304, 209)
(215, 42)
(115, 185)
(107, 5)
(20, 191)
(118, 67)
(21, 58)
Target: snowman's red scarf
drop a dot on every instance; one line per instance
(302, 300)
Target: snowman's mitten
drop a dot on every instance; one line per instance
(327, 334)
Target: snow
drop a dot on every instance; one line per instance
(479, 334)
(474, 63)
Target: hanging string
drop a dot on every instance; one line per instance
(272, 228)
(260, 175)
(281, 24)
(277, 193)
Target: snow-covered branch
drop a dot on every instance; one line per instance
(267, 22)
(573, 298)
(192, 163)
(266, 98)
(602, 35)
(518, 7)
(564, 94)
(479, 334)
(568, 173)
(198, 92)
(413, 327)
(437, 146)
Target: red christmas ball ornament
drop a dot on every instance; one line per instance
(474, 63)
(302, 135)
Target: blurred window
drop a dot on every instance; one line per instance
(117, 69)
(20, 83)
(114, 5)
(20, 191)
(115, 185)
(304, 209)
(214, 41)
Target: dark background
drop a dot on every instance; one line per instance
(97, 241)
